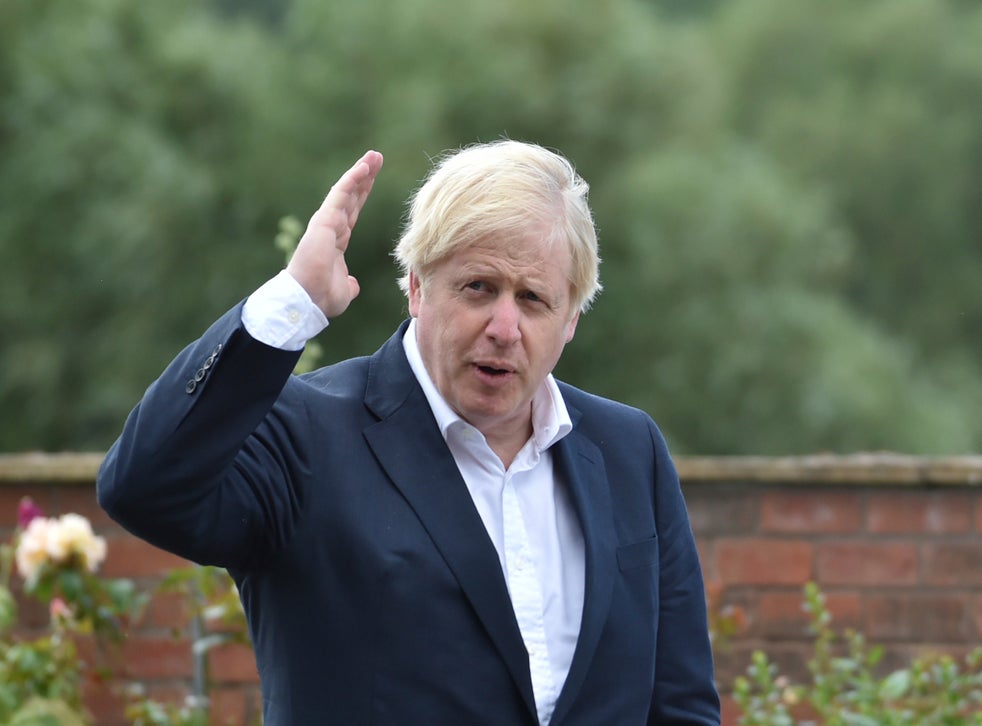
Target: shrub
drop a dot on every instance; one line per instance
(846, 689)
(58, 559)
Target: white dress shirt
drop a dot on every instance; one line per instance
(525, 509)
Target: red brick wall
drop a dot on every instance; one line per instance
(899, 561)
(895, 546)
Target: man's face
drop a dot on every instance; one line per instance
(492, 320)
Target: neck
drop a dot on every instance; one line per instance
(509, 444)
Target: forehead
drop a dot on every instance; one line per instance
(530, 254)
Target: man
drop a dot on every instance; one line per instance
(440, 533)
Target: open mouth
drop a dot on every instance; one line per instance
(493, 371)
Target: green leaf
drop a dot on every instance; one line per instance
(8, 609)
(858, 719)
(72, 585)
(47, 712)
(895, 685)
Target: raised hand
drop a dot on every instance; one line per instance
(318, 263)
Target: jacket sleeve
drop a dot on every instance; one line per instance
(209, 464)
(685, 690)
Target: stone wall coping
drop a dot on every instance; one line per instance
(884, 468)
(37, 467)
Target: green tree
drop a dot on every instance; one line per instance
(129, 223)
(787, 199)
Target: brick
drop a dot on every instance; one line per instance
(732, 661)
(729, 710)
(977, 616)
(81, 500)
(862, 563)
(721, 512)
(705, 548)
(232, 663)
(105, 702)
(846, 609)
(781, 614)
(131, 557)
(235, 706)
(155, 657)
(815, 511)
(10, 496)
(915, 616)
(228, 706)
(167, 611)
(916, 512)
(953, 563)
(759, 561)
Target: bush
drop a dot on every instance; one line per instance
(58, 560)
(846, 690)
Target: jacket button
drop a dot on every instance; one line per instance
(192, 384)
(199, 375)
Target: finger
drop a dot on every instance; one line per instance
(365, 172)
(343, 203)
(358, 180)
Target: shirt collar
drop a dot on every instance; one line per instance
(550, 419)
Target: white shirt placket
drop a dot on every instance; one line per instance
(526, 596)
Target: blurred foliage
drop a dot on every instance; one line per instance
(43, 675)
(788, 200)
(847, 688)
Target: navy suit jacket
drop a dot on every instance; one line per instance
(373, 592)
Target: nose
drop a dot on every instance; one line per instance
(503, 325)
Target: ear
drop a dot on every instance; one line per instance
(415, 294)
(571, 328)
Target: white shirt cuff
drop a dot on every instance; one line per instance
(282, 315)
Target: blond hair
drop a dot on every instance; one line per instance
(500, 188)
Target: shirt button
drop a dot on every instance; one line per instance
(293, 316)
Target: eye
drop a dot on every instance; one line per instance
(477, 285)
(532, 297)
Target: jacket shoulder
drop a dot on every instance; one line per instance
(599, 418)
(590, 405)
(345, 375)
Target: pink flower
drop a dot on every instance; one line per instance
(59, 609)
(27, 511)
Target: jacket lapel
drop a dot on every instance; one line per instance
(409, 446)
(580, 463)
